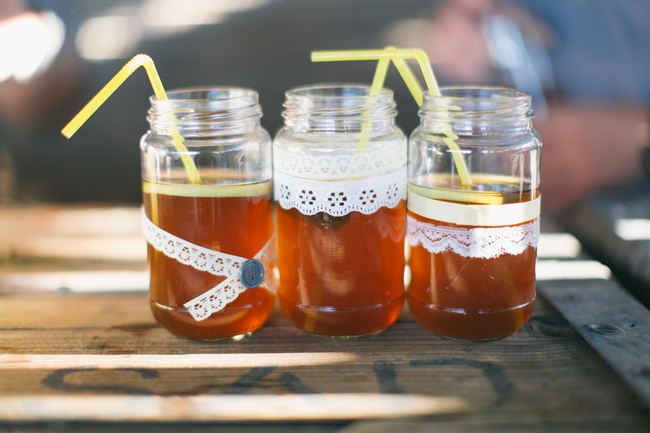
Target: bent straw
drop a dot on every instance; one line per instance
(378, 83)
(425, 66)
(409, 79)
(389, 53)
(131, 66)
(375, 88)
(450, 138)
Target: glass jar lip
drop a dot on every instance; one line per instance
(203, 110)
(478, 93)
(208, 94)
(334, 91)
(477, 102)
(318, 107)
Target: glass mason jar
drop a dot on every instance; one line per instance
(202, 229)
(340, 185)
(473, 247)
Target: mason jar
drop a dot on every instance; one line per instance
(473, 237)
(340, 188)
(206, 169)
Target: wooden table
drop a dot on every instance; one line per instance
(80, 351)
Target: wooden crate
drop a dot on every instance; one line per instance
(80, 351)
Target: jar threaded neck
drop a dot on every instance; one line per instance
(486, 110)
(331, 108)
(205, 112)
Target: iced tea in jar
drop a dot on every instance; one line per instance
(473, 242)
(340, 188)
(209, 233)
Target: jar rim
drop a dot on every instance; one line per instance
(479, 93)
(477, 103)
(203, 110)
(209, 93)
(340, 106)
(334, 91)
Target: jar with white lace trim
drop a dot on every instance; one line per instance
(340, 187)
(473, 233)
(206, 168)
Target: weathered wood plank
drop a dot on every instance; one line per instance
(615, 325)
(497, 423)
(113, 347)
(83, 232)
(176, 427)
(115, 408)
(78, 281)
(67, 349)
(600, 222)
(69, 219)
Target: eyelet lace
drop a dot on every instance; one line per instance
(204, 259)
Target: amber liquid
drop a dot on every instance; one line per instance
(239, 225)
(341, 276)
(471, 298)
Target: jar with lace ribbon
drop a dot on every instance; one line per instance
(473, 237)
(340, 187)
(209, 229)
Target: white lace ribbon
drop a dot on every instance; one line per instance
(205, 259)
(340, 197)
(475, 242)
(340, 165)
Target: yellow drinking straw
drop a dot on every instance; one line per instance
(409, 79)
(110, 87)
(375, 88)
(398, 56)
(388, 53)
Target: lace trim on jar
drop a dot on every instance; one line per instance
(476, 242)
(204, 259)
(339, 166)
(338, 198)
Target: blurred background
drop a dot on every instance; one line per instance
(586, 63)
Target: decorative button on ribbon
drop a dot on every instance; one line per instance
(240, 273)
(251, 273)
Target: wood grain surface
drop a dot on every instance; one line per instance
(106, 354)
(79, 361)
